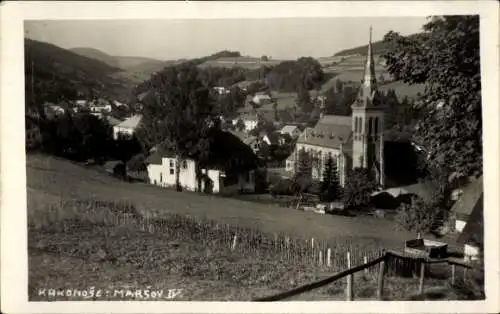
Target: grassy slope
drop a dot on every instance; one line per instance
(68, 251)
(51, 178)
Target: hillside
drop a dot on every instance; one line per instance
(96, 54)
(378, 47)
(59, 73)
(128, 63)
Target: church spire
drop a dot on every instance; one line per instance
(369, 79)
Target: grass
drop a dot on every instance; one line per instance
(88, 229)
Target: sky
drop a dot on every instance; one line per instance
(280, 38)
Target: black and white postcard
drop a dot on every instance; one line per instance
(266, 156)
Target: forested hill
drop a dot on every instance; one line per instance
(129, 63)
(378, 47)
(60, 74)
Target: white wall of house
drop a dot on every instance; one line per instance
(294, 134)
(321, 152)
(164, 175)
(250, 124)
(121, 130)
(471, 252)
(460, 225)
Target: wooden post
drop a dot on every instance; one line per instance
(380, 285)
(234, 242)
(422, 276)
(329, 257)
(320, 260)
(365, 261)
(349, 296)
(452, 274)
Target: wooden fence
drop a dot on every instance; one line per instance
(383, 262)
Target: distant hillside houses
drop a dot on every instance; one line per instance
(221, 90)
(127, 128)
(291, 130)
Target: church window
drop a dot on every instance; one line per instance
(376, 125)
(370, 120)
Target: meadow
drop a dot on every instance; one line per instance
(86, 229)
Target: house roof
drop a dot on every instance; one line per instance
(273, 137)
(113, 121)
(330, 131)
(131, 123)
(289, 129)
(471, 195)
(473, 232)
(239, 157)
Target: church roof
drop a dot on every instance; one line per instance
(331, 131)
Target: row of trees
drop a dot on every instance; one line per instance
(290, 76)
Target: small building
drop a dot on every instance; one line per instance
(261, 99)
(472, 197)
(250, 121)
(112, 121)
(472, 235)
(273, 139)
(291, 130)
(127, 127)
(222, 171)
(221, 90)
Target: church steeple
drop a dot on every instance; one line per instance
(368, 122)
(369, 81)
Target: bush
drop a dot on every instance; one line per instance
(420, 216)
(358, 188)
(284, 187)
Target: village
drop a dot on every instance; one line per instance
(335, 149)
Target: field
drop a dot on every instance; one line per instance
(88, 229)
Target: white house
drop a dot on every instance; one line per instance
(127, 127)
(261, 99)
(291, 130)
(250, 120)
(161, 167)
(221, 90)
(273, 139)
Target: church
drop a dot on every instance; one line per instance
(352, 142)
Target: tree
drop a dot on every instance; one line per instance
(446, 58)
(304, 167)
(330, 186)
(240, 125)
(304, 100)
(359, 186)
(264, 58)
(181, 114)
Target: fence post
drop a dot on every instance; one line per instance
(422, 276)
(381, 273)
(320, 260)
(365, 261)
(233, 246)
(329, 257)
(452, 274)
(349, 279)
